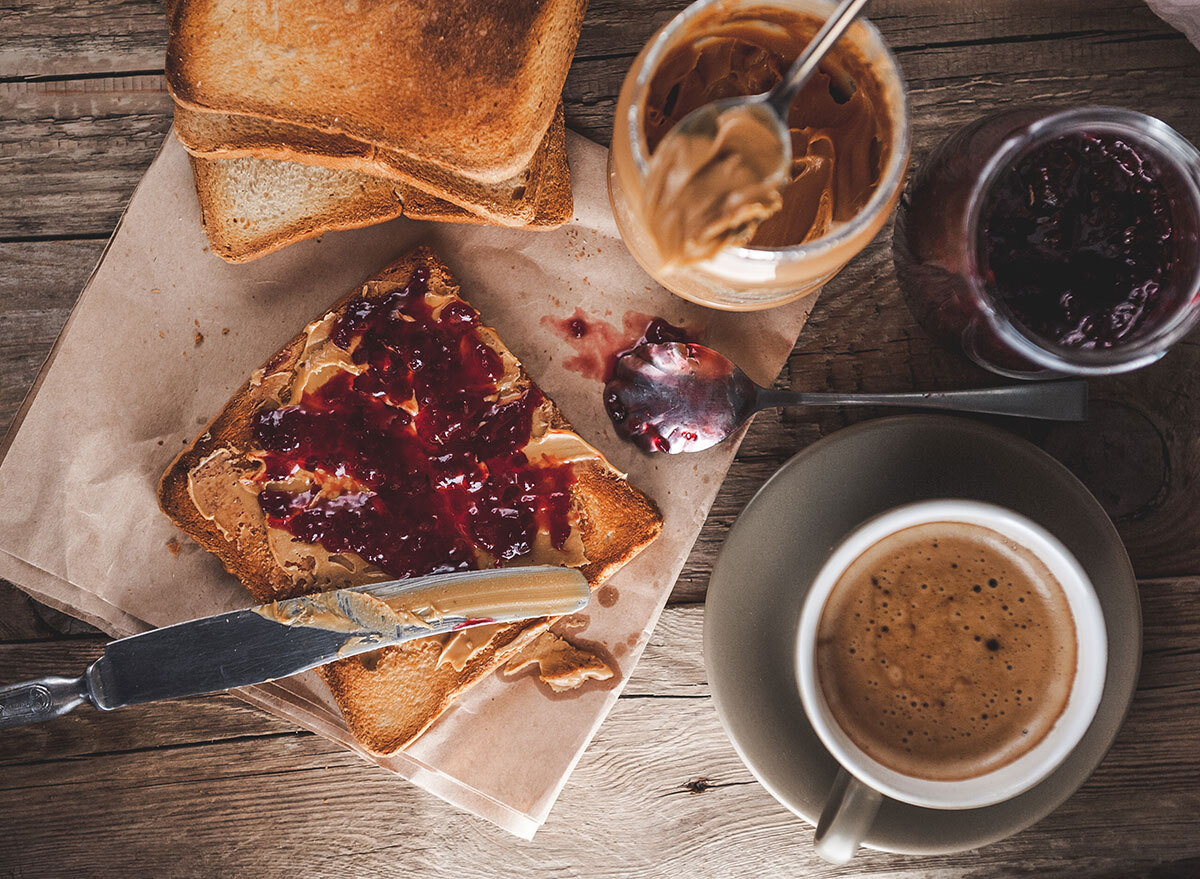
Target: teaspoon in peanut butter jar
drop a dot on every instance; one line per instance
(849, 138)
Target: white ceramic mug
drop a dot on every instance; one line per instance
(863, 782)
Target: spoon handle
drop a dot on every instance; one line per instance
(802, 68)
(1052, 401)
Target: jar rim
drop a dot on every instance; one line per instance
(1166, 143)
(727, 261)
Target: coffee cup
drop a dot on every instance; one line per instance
(997, 662)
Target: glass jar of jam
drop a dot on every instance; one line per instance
(850, 143)
(1048, 242)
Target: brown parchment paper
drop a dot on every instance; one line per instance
(165, 331)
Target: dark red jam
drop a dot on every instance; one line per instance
(1077, 240)
(425, 491)
(659, 332)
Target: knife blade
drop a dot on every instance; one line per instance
(271, 641)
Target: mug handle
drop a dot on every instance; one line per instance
(848, 814)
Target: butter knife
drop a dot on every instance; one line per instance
(271, 641)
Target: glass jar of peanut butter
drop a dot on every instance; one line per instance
(850, 142)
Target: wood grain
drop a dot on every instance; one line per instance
(1115, 52)
(62, 39)
(211, 787)
(73, 151)
(660, 792)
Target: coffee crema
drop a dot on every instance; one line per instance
(946, 651)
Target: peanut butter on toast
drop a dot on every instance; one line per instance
(294, 488)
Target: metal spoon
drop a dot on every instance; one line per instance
(683, 397)
(767, 112)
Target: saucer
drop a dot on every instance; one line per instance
(785, 534)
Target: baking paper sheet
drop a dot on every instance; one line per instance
(165, 331)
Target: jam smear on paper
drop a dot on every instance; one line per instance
(598, 343)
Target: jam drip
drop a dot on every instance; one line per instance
(419, 494)
(1077, 238)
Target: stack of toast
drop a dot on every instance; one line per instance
(305, 117)
(391, 696)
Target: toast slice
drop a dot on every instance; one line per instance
(224, 488)
(513, 202)
(251, 207)
(470, 86)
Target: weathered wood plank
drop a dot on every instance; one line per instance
(659, 792)
(71, 152)
(100, 36)
(53, 39)
(106, 130)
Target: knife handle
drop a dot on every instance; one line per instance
(40, 699)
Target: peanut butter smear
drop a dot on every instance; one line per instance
(710, 189)
(363, 618)
(840, 132)
(562, 666)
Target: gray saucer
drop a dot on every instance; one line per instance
(785, 533)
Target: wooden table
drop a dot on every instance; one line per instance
(211, 787)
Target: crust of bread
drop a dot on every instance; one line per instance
(471, 86)
(514, 202)
(389, 697)
(251, 207)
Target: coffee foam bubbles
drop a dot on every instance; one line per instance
(946, 651)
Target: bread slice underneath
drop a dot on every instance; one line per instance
(389, 697)
(538, 188)
(251, 207)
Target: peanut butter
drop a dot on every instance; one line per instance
(562, 666)
(839, 135)
(387, 612)
(709, 190)
(364, 618)
(463, 646)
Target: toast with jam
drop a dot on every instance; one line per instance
(397, 436)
